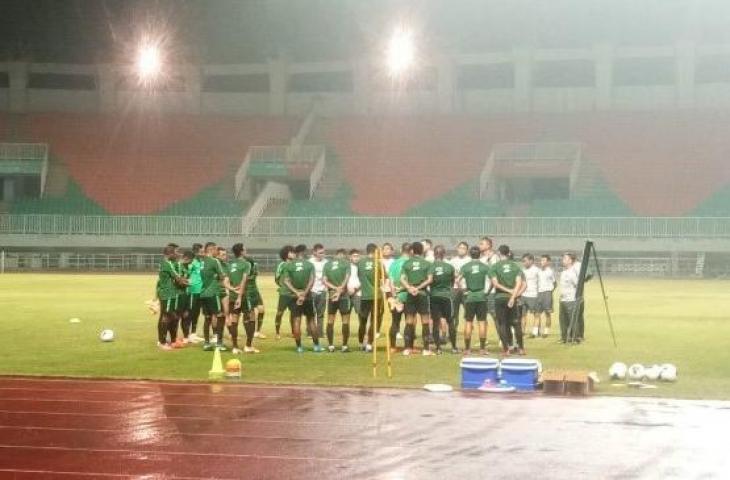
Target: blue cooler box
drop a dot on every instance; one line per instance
(521, 373)
(474, 371)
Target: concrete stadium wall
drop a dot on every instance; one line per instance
(370, 92)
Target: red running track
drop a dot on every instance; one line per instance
(61, 429)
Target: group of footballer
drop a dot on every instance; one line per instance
(420, 285)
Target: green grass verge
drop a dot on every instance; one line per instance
(680, 321)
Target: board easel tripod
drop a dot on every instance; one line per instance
(588, 251)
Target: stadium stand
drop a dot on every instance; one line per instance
(163, 154)
(73, 201)
(462, 201)
(377, 165)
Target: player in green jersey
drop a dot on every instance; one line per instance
(475, 278)
(238, 272)
(224, 293)
(508, 282)
(212, 274)
(298, 278)
(366, 277)
(415, 277)
(286, 254)
(335, 276)
(183, 303)
(194, 287)
(254, 296)
(442, 299)
(167, 291)
(397, 295)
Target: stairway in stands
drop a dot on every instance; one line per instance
(589, 182)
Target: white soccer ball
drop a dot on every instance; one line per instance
(668, 372)
(636, 372)
(652, 373)
(106, 335)
(618, 371)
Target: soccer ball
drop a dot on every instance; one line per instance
(617, 371)
(636, 371)
(233, 368)
(652, 373)
(106, 335)
(668, 372)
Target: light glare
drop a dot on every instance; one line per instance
(149, 62)
(401, 52)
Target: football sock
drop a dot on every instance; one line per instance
(361, 329)
(426, 334)
(277, 321)
(233, 330)
(345, 333)
(172, 324)
(331, 333)
(162, 329)
(206, 328)
(437, 336)
(250, 328)
(219, 327)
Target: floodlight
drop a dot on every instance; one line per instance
(149, 62)
(401, 51)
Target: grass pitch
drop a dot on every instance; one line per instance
(684, 322)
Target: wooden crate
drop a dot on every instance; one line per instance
(553, 382)
(566, 382)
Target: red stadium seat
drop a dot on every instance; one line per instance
(141, 164)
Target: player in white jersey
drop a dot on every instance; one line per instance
(353, 283)
(568, 301)
(457, 261)
(545, 287)
(427, 250)
(529, 297)
(489, 257)
(387, 253)
(319, 289)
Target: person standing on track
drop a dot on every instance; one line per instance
(415, 277)
(335, 277)
(509, 284)
(442, 299)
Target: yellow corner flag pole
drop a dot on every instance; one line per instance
(387, 335)
(376, 296)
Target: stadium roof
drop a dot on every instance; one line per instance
(242, 31)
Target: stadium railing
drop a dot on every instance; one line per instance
(594, 227)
